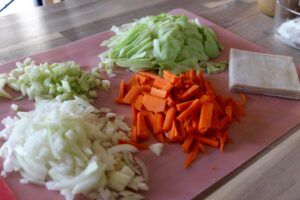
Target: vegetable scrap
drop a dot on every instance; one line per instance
(182, 109)
(74, 148)
(163, 42)
(48, 81)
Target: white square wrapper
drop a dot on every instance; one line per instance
(265, 74)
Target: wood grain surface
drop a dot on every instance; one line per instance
(271, 175)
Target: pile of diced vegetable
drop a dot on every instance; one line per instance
(56, 80)
(182, 109)
(162, 42)
(74, 148)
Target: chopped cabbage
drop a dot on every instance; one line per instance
(160, 42)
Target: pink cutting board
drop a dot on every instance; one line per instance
(267, 119)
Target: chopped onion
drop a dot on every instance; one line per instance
(72, 147)
(156, 148)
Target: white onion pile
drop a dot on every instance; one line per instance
(73, 148)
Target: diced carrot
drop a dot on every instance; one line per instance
(187, 143)
(149, 119)
(184, 105)
(142, 130)
(192, 91)
(208, 141)
(222, 138)
(148, 74)
(191, 156)
(170, 116)
(167, 75)
(133, 82)
(174, 134)
(132, 94)
(228, 111)
(181, 109)
(134, 133)
(158, 92)
(142, 80)
(205, 117)
(159, 122)
(160, 82)
(208, 85)
(202, 149)
(138, 104)
(170, 101)
(189, 111)
(154, 104)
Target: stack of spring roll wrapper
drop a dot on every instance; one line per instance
(265, 74)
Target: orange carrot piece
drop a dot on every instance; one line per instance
(205, 99)
(222, 139)
(208, 141)
(134, 113)
(134, 133)
(187, 143)
(191, 156)
(174, 134)
(148, 74)
(146, 88)
(237, 110)
(228, 112)
(158, 92)
(192, 91)
(202, 149)
(159, 122)
(189, 111)
(149, 119)
(133, 82)
(172, 78)
(192, 75)
(154, 104)
(160, 82)
(142, 130)
(208, 86)
(137, 145)
(138, 104)
(205, 117)
(184, 105)
(170, 101)
(195, 122)
(160, 137)
(132, 94)
(170, 116)
(142, 79)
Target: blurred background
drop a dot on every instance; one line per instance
(14, 6)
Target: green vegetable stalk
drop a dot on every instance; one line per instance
(162, 42)
(63, 81)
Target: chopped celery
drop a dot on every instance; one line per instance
(51, 80)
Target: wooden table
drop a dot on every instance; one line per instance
(273, 174)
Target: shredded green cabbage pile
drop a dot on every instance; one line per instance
(162, 42)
